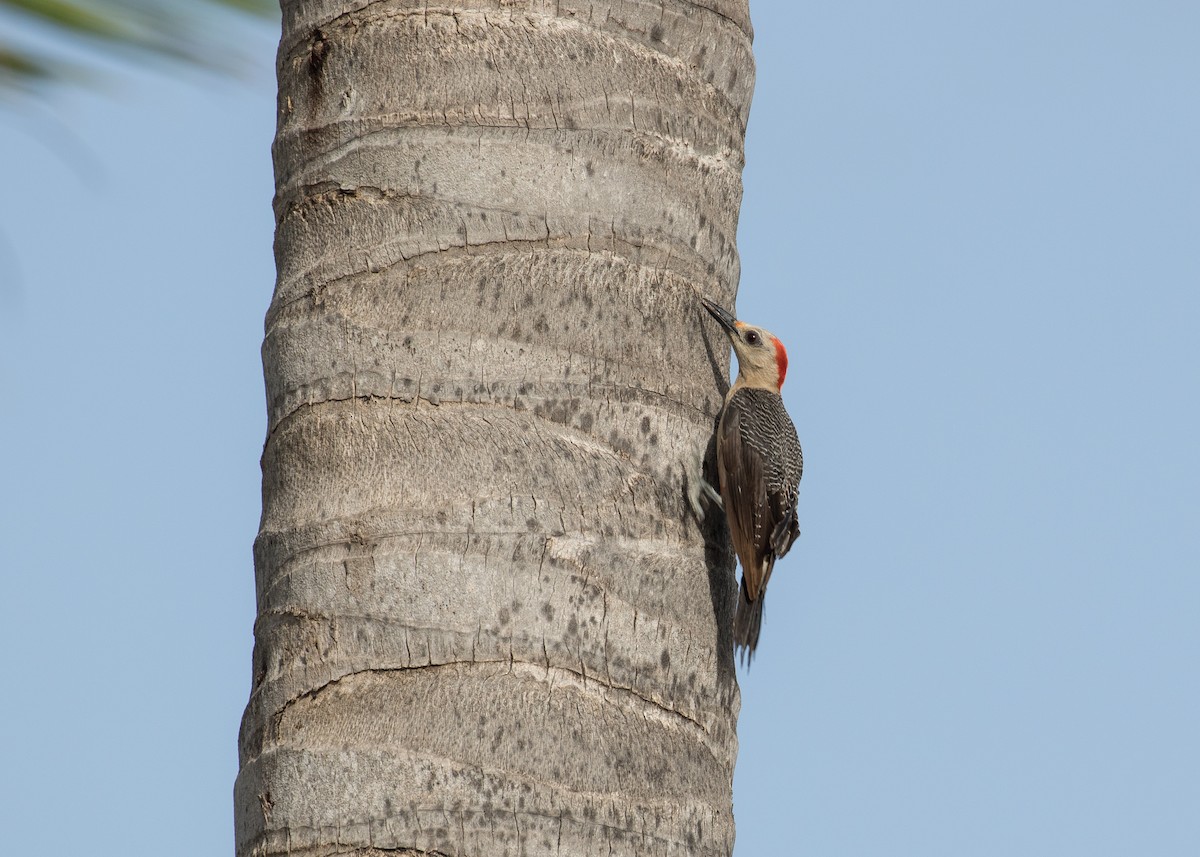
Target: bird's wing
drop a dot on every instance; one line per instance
(787, 526)
(747, 507)
(790, 467)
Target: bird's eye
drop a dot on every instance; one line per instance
(752, 338)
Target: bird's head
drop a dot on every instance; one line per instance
(762, 359)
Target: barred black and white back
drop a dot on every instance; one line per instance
(760, 464)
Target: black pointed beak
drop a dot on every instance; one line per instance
(722, 316)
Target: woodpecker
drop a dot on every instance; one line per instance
(759, 463)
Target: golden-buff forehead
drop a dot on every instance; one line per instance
(741, 325)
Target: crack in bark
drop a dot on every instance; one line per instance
(618, 247)
(370, 850)
(651, 710)
(355, 18)
(715, 144)
(415, 401)
(517, 814)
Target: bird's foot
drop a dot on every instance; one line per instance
(697, 489)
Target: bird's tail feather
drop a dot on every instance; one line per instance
(747, 622)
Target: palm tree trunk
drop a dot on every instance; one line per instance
(487, 622)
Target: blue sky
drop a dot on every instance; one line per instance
(974, 225)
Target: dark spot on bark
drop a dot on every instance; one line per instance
(654, 439)
(528, 301)
(504, 616)
(665, 660)
(585, 422)
(531, 524)
(656, 33)
(318, 53)
(573, 626)
(589, 169)
(645, 425)
(703, 221)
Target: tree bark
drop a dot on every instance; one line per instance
(487, 622)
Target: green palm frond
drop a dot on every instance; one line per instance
(187, 31)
